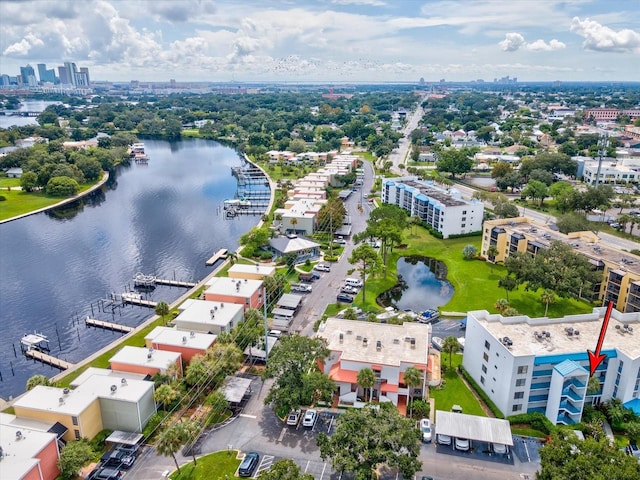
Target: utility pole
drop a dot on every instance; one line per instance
(603, 143)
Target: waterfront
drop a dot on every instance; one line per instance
(7, 121)
(163, 218)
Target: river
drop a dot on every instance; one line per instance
(7, 121)
(162, 218)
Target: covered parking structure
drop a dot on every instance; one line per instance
(492, 431)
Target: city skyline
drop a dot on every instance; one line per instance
(326, 40)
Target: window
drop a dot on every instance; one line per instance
(485, 357)
(520, 382)
(482, 380)
(487, 345)
(516, 408)
(74, 420)
(463, 225)
(523, 369)
(484, 369)
(518, 395)
(77, 434)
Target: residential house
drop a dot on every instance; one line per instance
(254, 272)
(213, 317)
(146, 361)
(303, 247)
(247, 293)
(187, 344)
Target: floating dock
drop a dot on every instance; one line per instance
(175, 283)
(135, 299)
(140, 280)
(222, 253)
(116, 327)
(48, 359)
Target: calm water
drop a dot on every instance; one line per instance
(163, 218)
(423, 284)
(26, 106)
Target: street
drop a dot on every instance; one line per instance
(400, 153)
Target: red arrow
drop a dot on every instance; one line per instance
(595, 358)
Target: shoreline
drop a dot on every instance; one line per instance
(87, 360)
(78, 196)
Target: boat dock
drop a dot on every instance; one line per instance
(175, 283)
(134, 299)
(222, 253)
(140, 280)
(116, 327)
(48, 359)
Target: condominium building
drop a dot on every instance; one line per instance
(541, 365)
(620, 269)
(443, 210)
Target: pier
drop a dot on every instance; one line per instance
(222, 253)
(234, 212)
(116, 327)
(48, 359)
(175, 283)
(140, 280)
(134, 299)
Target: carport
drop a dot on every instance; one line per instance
(234, 389)
(474, 428)
(289, 301)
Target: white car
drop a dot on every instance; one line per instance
(462, 444)
(499, 448)
(293, 418)
(437, 343)
(444, 440)
(425, 428)
(322, 267)
(309, 418)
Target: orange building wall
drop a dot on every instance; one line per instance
(187, 353)
(48, 457)
(125, 367)
(34, 474)
(255, 300)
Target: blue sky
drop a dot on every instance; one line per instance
(326, 40)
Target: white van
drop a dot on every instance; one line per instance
(353, 282)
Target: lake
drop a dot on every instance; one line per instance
(163, 218)
(7, 121)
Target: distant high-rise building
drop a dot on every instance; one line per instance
(28, 76)
(64, 76)
(5, 80)
(72, 72)
(46, 76)
(85, 72)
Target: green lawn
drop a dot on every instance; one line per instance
(455, 392)
(216, 466)
(475, 282)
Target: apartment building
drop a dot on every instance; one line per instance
(247, 293)
(444, 210)
(541, 365)
(212, 317)
(620, 269)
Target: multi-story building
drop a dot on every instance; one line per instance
(610, 172)
(386, 349)
(46, 75)
(541, 365)
(612, 114)
(443, 210)
(28, 76)
(620, 269)
(245, 292)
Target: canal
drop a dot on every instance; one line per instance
(163, 218)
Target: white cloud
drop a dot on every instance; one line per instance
(514, 41)
(373, 3)
(604, 39)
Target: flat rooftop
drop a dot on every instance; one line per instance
(180, 338)
(233, 287)
(257, 269)
(20, 445)
(105, 372)
(395, 341)
(472, 427)
(145, 357)
(526, 333)
(199, 311)
(585, 243)
(436, 193)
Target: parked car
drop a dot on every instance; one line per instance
(119, 457)
(343, 297)
(437, 343)
(499, 448)
(444, 439)
(300, 288)
(294, 418)
(633, 450)
(105, 473)
(322, 267)
(249, 464)
(634, 212)
(425, 428)
(462, 444)
(275, 333)
(309, 419)
(349, 290)
(340, 241)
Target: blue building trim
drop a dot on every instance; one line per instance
(576, 357)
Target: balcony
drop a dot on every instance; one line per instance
(542, 373)
(574, 382)
(541, 385)
(569, 408)
(538, 398)
(566, 420)
(569, 392)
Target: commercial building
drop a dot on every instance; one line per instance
(111, 401)
(246, 292)
(611, 114)
(541, 365)
(208, 316)
(620, 269)
(187, 344)
(29, 451)
(385, 348)
(611, 172)
(443, 210)
(146, 361)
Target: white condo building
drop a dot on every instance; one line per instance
(444, 210)
(541, 365)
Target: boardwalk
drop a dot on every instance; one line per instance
(116, 327)
(222, 253)
(48, 359)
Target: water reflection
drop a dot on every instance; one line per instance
(422, 284)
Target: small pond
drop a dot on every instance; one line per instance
(422, 284)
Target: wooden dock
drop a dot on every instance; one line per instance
(116, 327)
(175, 283)
(222, 253)
(48, 359)
(140, 302)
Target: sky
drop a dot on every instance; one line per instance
(326, 40)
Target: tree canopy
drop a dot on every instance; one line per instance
(366, 438)
(73, 457)
(454, 162)
(284, 470)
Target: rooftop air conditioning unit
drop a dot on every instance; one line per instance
(18, 435)
(184, 339)
(114, 388)
(378, 345)
(341, 337)
(61, 401)
(365, 342)
(123, 381)
(65, 391)
(192, 334)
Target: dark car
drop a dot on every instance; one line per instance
(105, 473)
(249, 464)
(343, 297)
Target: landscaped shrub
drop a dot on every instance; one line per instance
(536, 420)
(330, 258)
(420, 409)
(485, 398)
(2, 198)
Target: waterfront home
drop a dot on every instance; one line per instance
(246, 292)
(303, 247)
(252, 272)
(147, 361)
(187, 344)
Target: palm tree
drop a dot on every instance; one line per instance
(367, 379)
(38, 380)
(593, 386)
(294, 222)
(233, 257)
(510, 312)
(170, 441)
(501, 305)
(162, 309)
(415, 221)
(165, 394)
(450, 345)
(412, 379)
(492, 253)
(547, 297)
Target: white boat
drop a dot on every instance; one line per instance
(131, 296)
(35, 341)
(236, 203)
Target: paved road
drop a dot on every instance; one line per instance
(399, 154)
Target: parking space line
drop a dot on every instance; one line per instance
(246, 415)
(330, 423)
(324, 466)
(284, 430)
(307, 467)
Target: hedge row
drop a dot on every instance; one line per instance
(485, 398)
